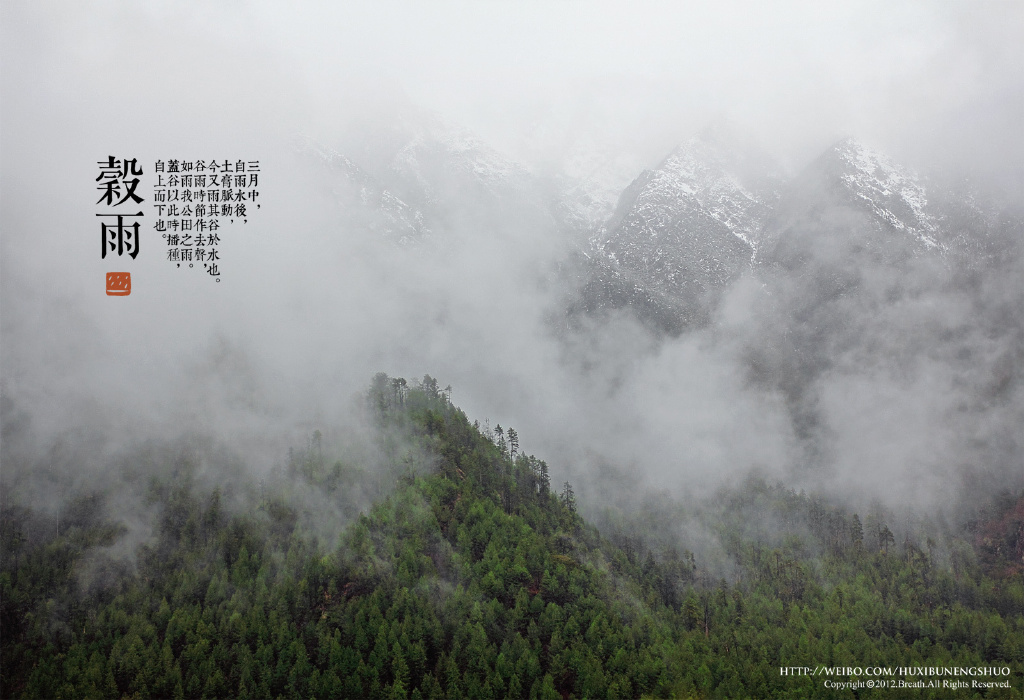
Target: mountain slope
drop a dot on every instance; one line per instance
(692, 223)
(682, 232)
(473, 579)
(850, 205)
(366, 201)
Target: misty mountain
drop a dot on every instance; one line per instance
(851, 201)
(413, 176)
(683, 231)
(717, 206)
(879, 280)
(862, 273)
(862, 280)
(691, 224)
(357, 193)
(681, 234)
(854, 234)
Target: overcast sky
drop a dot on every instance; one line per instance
(914, 74)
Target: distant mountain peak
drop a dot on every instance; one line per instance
(717, 180)
(460, 150)
(893, 193)
(356, 190)
(684, 230)
(724, 176)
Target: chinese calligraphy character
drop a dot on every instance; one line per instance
(114, 174)
(119, 237)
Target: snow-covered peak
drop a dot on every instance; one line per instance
(690, 226)
(352, 187)
(594, 176)
(706, 175)
(894, 194)
(702, 172)
(434, 144)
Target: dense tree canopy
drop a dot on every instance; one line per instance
(473, 579)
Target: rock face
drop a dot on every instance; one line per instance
(683, 231)
(717, 207)
(852, 223)
(851, 203)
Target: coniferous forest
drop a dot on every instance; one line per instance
(474, 575)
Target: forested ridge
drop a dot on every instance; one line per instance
(476, 577)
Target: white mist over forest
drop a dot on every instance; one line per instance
(921, 397)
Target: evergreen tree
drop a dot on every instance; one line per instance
(885, 538)
(857, 532)
(568, 497)
(513, 443)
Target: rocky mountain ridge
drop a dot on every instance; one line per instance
(717, 207)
